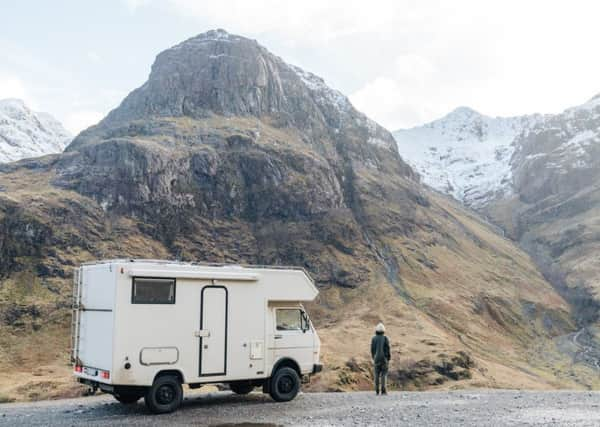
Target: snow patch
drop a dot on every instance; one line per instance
(25, 133)
(465, 154)
(323, 92)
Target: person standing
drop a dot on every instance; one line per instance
(380, 353)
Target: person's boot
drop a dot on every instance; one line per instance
(383, 392)
(377, 392)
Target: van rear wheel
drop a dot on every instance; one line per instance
(285, 384)
(165, 394)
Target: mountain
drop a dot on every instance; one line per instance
(465, 154)
(534, 176)
(25, 133)
(553, 212)
(228, 154)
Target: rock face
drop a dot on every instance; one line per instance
(217, 73)
(556, 174)
(560, 155)
(225, 129)
(228, 154)
(25, 133)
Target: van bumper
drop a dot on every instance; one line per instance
(107, 388)
(317, 367)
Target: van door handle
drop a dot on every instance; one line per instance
(278, 337)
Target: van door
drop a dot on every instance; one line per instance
(94, 319)
(213, 331)
(293, 336)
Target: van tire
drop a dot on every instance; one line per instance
(165, 395)
(241, 387)
(128, 398)
(285, 384)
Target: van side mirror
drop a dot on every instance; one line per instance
(305, 322)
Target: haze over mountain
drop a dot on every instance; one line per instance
(229, 154)
(25, 133)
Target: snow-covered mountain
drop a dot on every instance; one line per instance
(478, 159)
(25, 133)
(465, 154)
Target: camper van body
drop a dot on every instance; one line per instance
(135, 321)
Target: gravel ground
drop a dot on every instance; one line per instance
(460, 408)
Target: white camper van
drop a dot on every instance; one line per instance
(142, 328)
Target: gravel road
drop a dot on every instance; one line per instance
(460, 408)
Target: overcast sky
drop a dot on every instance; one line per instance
(401, 62)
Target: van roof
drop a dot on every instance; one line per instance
(197, 264)
(243, 273)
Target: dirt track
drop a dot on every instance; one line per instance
(481, 408)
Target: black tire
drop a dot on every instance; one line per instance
(165, 395)
(285, 384)
(241, 387)
(128, 398)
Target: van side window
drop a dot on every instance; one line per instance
(289, 319)
(148, 290)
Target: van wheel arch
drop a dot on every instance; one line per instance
(173, 372)
(287, 362)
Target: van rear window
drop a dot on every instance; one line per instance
(148, 290)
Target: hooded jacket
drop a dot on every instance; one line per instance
(380, 349)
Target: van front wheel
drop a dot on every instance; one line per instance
(165, 395)
(285, 384)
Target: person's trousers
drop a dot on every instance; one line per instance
(381, 371)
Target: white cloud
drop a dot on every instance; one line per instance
(13, 87)
(94, 57)
(309, 20)
(413, 67)
(134, 5)
(77, 121)
(389, 103)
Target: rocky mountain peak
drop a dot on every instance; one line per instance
(220, 74)
(463, 111)
(212, 73)
(13, 104)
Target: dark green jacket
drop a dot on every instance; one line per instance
(380, 349)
